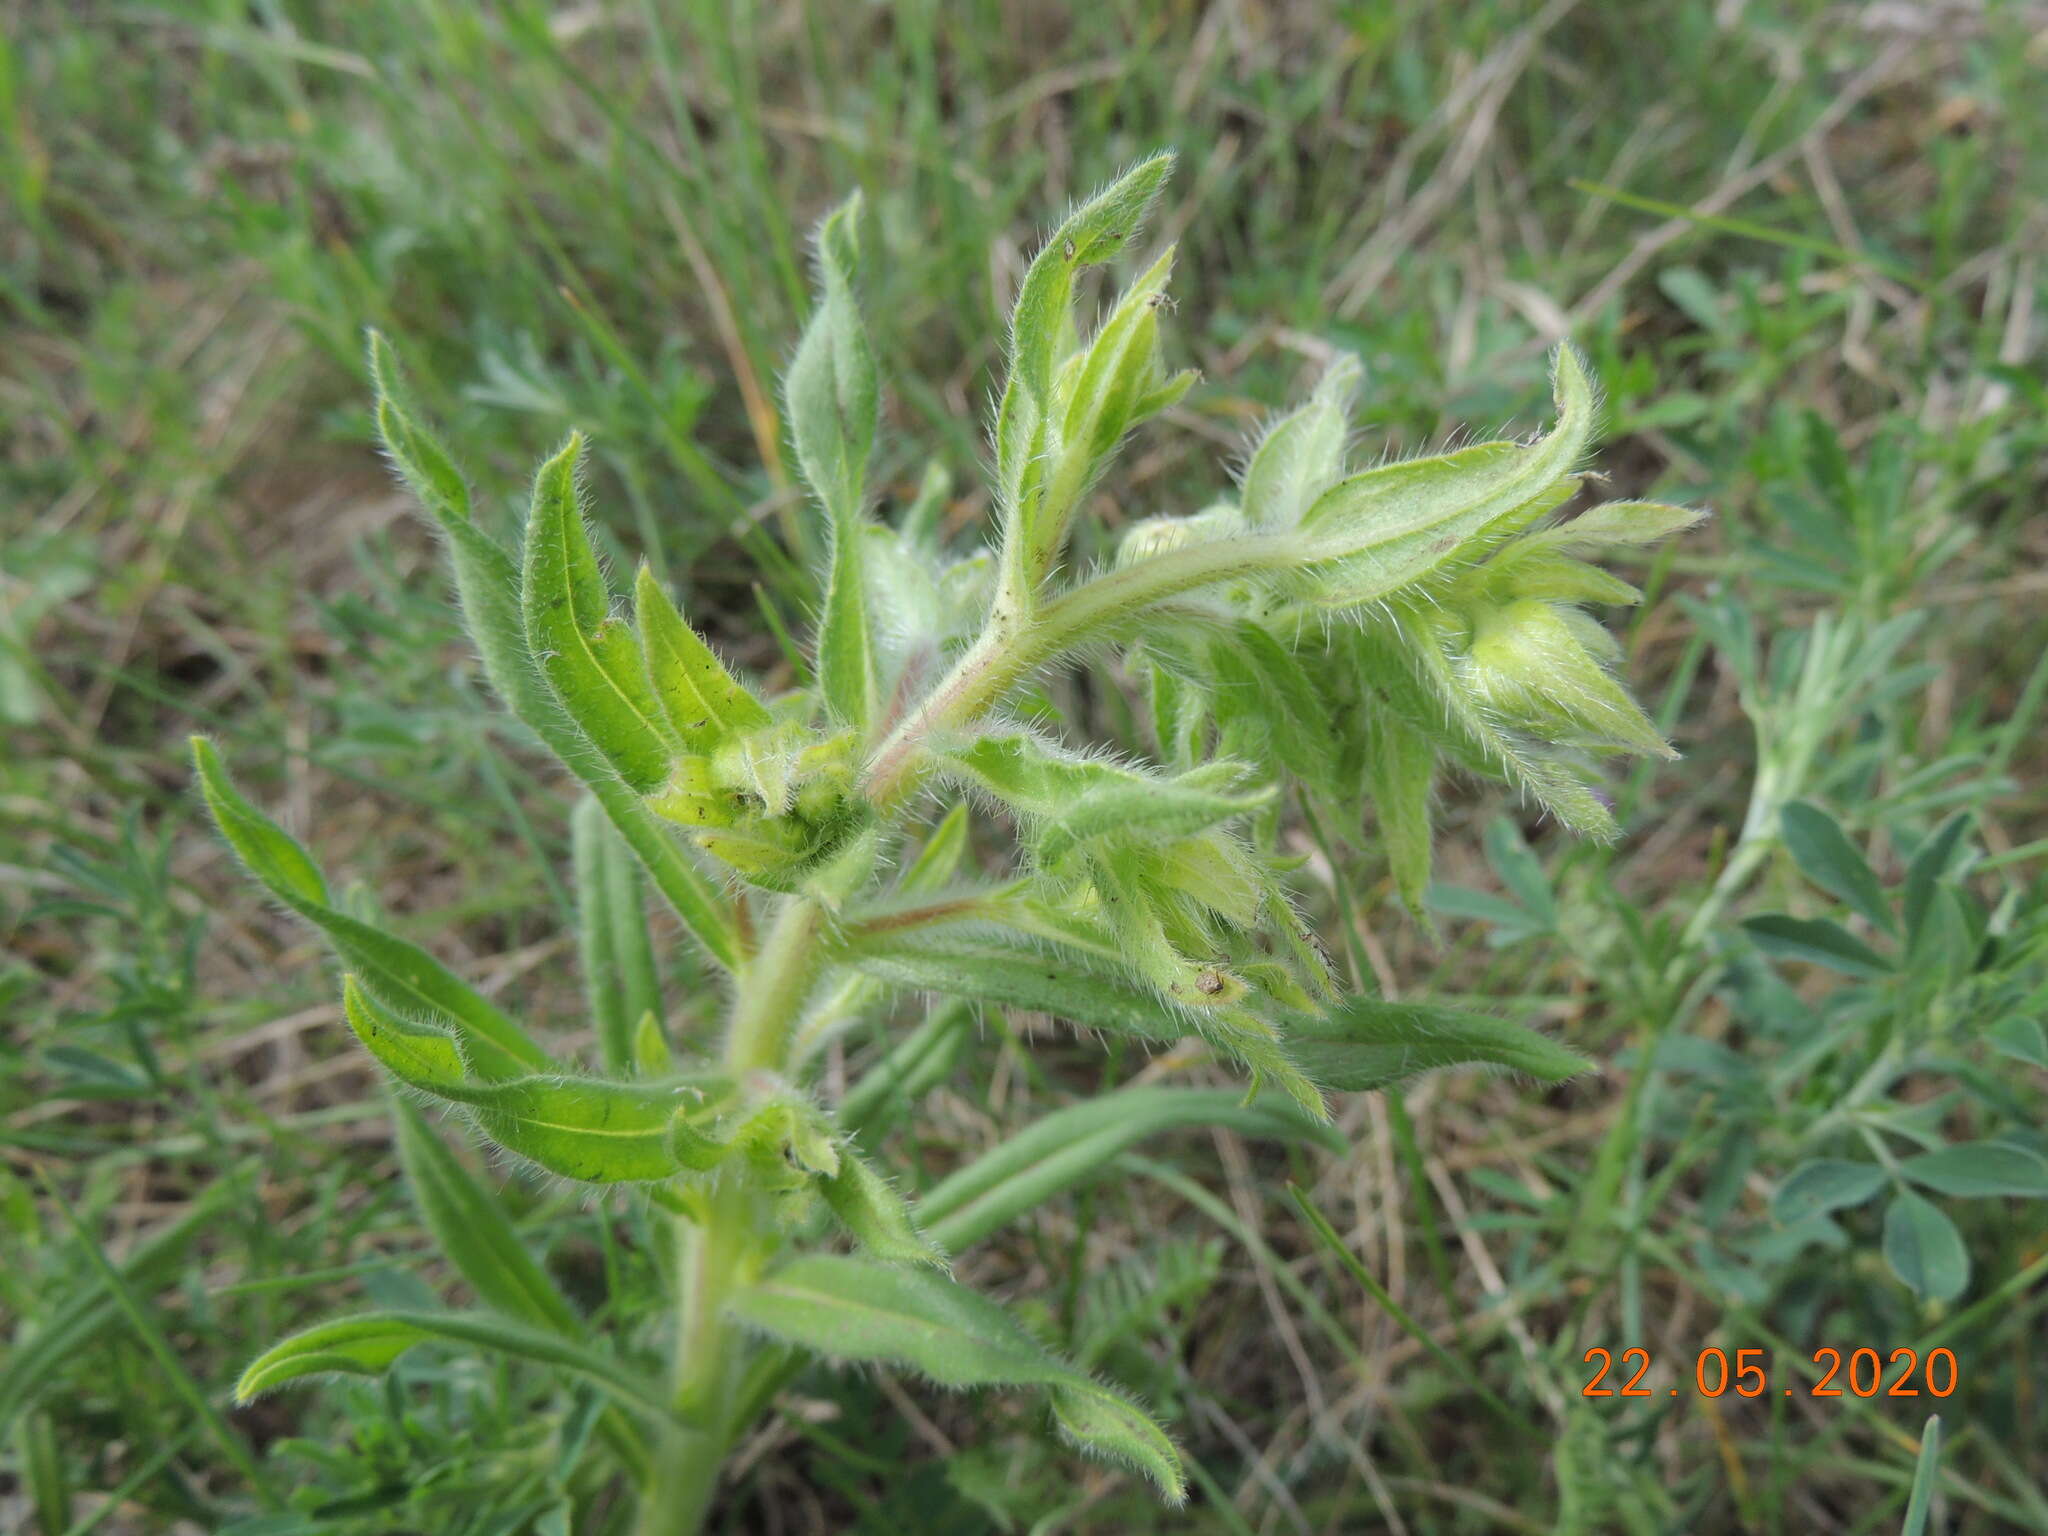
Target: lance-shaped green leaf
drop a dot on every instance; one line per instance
(1092, 989)
(1480, 735)
(603, 985)
(876, 1214)
(1079, 1144)
(402, 973)
(1390, 527)
(587, 1129)
(470, 1226)
(418, 455)
(1099, 395)
(1616, 523)
(1366, 1043)
(1528, 665)
(858, 1310)
(775, 1127)
(849, 664)
(1041, 325)
(369, 1344)
(1302, 453)
(939, 860)
(619, 975)
(834, 400)
(486, 577)
(1014, 971)
(831, 387)
(487, 590)
(704, 703)
(589, 656)
(1525, 569)
(1400, 775)
(1261, 689)
(1073, 799)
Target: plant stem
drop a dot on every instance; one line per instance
(776, 981)
(727, 1245)
(1017, 642)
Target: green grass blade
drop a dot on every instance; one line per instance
(1926, 1479)
(1400, 1314)
(231, 1444)
(1078, 1144)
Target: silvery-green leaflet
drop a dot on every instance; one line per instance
(1336, 635)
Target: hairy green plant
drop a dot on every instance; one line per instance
(1334, 633)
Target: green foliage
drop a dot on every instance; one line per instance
(471, 1228)
(1809, 301)
(368, 1346)
(397, 970)
(851, 1309)
(1150, 902)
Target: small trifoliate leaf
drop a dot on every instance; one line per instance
(1816, 941)
(589, 657)
(2021, 1039)
(1924, 1249)
(1980, 1169)
(1825, 1184)
(1923, 876)
(1825, 856)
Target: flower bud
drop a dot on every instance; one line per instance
(1527, 664)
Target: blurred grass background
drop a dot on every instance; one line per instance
(1803, 245)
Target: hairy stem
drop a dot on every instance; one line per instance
(1016, 643)
(727, 1246)
(777, 980)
